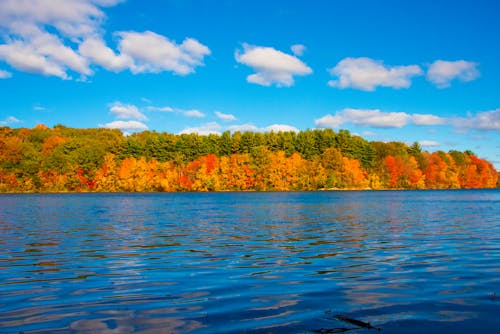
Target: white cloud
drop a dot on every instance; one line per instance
(441, 72)
(205, 129)
(216, 128)
(107, 3)
(486, 120)
(162, 109)
(298, 49)
(376, 118)
(366, 74)
(271, 128)
(146, 52)
(5, 74)
(193, 113)
(429, 143)
(73, 18)
(126, 111)
(30, 47)
(24, 57)
(153, 53)
(281, 128)
(96, 51)
(9, 121)
(329, 121)
(243, 128)
(365, 117)
(427, 119)
(271, 66)
(225, 117)
(125, 125)
(51, 47)
(56, 37)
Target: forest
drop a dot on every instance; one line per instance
(63, 159)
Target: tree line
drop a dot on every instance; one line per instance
(61, 159)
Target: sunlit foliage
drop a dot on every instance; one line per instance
(66, 159)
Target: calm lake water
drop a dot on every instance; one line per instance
(407, 262)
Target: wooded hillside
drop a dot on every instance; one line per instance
(68, 159)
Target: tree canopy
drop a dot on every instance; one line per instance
(59, 159)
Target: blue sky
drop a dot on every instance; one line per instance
(426, 71)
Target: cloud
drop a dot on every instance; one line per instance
(429, 143)
(193, 113)
(162, 109)
(24, 57)
(54, 50)
(366, 74)
(149, 52)
(243, 128)
(329, 121)
(281, 128)
(73, 18)
(377, 119)
(5, 74)
(225, 117)
(441, 72)
(271, 66)
(205, 129)
(298, 49)
(486, 120)
(146, 52)
(365, 117)
(96, 51)
(126, 111)
(125, 126)
(427, 119)
(30, 47)
(9, 121)
(56, 37)
(215, 128)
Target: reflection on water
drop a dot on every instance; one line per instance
(409, 262)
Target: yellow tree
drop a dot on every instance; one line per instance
(166, 177)
(332, 161)
(144, 174)
(441, 172)
(235, 172)
(278, 179)
(317, 174)
(106, 177)
(262, 165)
(478, 173)
(416, 177)
(206, 176)
(297, 173)
(136, 175)
(353, 175)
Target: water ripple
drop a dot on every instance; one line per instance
(408, 262)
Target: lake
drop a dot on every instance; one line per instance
(404, 261)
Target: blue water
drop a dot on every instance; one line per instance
(407, 262)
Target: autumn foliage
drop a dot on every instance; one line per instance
(64, 159)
